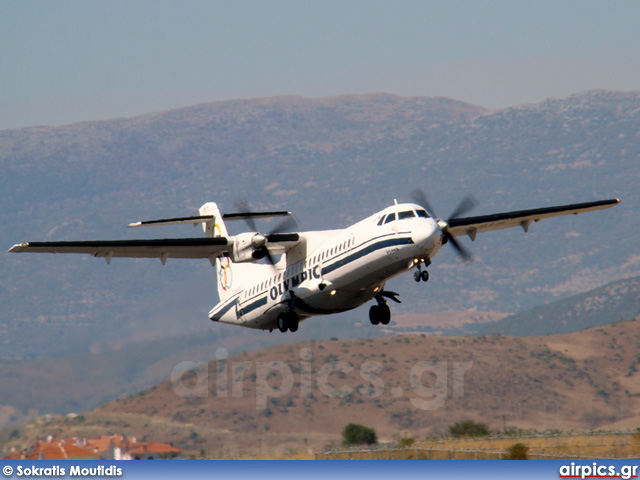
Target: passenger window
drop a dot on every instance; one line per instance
(390, 218)
(422, 213)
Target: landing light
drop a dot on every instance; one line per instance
(333, 292)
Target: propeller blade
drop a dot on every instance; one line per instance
(467, 204)
(269, 257)
(243, 206)
(420, 198)
(460, 250)
(286, 224)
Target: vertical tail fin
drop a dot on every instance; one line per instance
(215, 227)
(224, 265)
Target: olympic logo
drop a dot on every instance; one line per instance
(224, 272)
(224, 264)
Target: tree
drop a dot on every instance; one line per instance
(354, 434)
(517, 451)
(407, 442)
(468, 428)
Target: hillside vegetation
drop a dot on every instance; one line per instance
(402, 386)
(615, 301)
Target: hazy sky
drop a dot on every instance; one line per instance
(67, 61)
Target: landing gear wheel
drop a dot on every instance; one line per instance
(424, 276)
(417, 275)
(374, 315)
(288, 321)
(380, 314)
(293, 323)
(384, 313)
(282, 323)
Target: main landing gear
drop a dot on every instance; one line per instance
(380, 313)
(421, 275)
(288, 321)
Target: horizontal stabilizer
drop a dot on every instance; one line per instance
(174, 221)
(195, 220)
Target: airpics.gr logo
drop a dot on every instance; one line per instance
(428, 387)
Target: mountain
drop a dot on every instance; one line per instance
(81, 381)
(614, 301)
(302, 395)
(330, 160)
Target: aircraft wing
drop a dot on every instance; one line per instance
(156, 248)
(472, 225)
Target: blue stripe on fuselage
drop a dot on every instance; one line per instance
(231, 303)
(366, 251)
(251, 307)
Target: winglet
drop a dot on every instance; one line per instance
(19, 247)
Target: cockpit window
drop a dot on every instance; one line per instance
(405, 215)
(381, 220)
(390, 218)
(422, 213)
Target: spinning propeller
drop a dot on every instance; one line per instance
(260, 241)
(467, 204)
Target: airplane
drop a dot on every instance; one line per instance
(318, 272)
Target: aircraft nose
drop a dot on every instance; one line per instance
(424, 237)
(427, 238)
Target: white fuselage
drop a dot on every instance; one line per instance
(335, 270)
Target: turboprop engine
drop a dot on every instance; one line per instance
(249, 247)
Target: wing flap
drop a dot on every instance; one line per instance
(522, 218)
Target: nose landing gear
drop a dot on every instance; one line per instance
(421, 275)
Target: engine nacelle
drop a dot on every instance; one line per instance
(248, 247)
